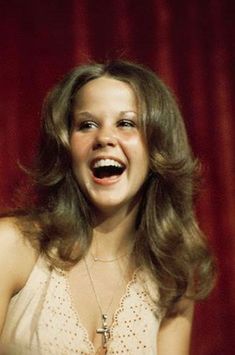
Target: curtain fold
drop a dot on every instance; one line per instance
(191, 45)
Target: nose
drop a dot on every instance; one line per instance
(105, 137)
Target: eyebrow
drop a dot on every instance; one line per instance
(88, 115)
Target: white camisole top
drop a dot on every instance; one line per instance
(42, 319)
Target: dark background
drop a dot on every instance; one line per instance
(190, 44)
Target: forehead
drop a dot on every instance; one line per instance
(105, 90)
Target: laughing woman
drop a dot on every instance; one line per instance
(109, 258)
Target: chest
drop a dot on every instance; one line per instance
(98, 294)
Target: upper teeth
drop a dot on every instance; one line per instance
(106, 162)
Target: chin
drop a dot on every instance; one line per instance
(109, 206)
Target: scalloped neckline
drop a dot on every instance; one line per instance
(119, 309)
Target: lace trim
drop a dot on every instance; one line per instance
(119, 310)
(76, 314)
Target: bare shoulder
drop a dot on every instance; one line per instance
(175, 330)
(17, 256)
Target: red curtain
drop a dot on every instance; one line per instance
(190, 44)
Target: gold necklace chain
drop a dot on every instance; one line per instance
(96, 258)
(104, 330)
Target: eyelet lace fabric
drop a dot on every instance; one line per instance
(42, 320)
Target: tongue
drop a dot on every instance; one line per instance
(107, 171)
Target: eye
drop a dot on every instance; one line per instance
(126, 123)
(86, 125)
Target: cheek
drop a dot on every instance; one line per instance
(79, 148)
(138, 153)
(134, 143)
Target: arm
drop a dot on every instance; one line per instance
(17, 258)
(174, 333)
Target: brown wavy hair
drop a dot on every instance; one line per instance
(174, 251)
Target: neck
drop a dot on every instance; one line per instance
(114, 235)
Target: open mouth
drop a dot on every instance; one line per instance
(105, 168)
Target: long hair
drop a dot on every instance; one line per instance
(171, 246)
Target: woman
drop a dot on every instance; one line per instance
(109, 257)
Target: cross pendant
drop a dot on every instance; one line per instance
(105, 331)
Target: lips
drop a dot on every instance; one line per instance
(103, 168)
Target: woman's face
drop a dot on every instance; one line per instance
(109, 155)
